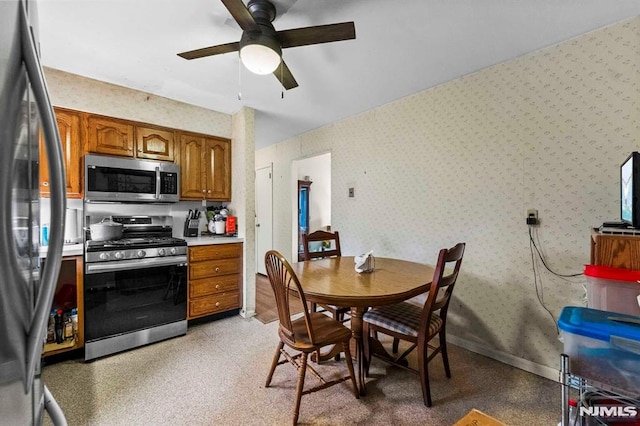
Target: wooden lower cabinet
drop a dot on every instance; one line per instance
(215, 279)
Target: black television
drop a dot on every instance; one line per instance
(630, 190)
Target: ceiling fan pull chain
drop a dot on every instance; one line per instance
(239, 78)
(281, 78)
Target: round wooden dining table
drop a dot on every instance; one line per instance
(334, 281)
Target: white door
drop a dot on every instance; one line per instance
(264, 215)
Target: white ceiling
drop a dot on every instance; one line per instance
(402, 47)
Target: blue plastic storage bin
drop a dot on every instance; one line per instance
(603, 346)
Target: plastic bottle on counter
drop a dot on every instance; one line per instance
(59, 326)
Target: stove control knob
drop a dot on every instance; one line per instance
(172, 251)
(119, 255)
(104, 256)
(162, 252)
(141, 253)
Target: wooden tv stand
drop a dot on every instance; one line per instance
(617, 250)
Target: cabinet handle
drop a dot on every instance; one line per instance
(217, 304)
(129, 149)
(217, 286)
(217, 269)
(45, 183)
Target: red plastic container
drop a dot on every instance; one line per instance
(613, 289)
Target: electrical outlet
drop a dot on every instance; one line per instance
(532, 217)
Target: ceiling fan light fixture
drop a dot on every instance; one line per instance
(260, 51)
(260, 59)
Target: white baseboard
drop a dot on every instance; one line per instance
(514, 361)
(249, 314)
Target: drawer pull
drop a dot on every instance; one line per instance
(217, 269)
(217, 304)
(217, 286)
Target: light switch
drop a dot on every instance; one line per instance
(352, 192)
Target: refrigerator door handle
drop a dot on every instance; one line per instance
(54, 410)
(53, 147)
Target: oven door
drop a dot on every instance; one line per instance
(121, 298)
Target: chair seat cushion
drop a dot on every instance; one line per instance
(327, 331)
(402, 318)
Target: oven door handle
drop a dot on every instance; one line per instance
(126, 265)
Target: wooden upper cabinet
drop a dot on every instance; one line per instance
(155, 143)
(71, 136)
(110, 136)
(218, 169)
(205, 167)
(192, 181)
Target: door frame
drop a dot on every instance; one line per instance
(260, 268)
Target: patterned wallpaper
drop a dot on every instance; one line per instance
(465, 160)
(85, 94)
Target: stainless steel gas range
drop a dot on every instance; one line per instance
(135, 287)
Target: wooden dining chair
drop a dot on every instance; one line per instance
(334, 250)
(306, 334)
(417, 325)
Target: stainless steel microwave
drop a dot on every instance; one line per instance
(130, 180)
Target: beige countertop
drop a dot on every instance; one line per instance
(67, 250)
(209, 240)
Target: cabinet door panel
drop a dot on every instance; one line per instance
(218, 169)
(110, 136)
(214, 268)
(191, 172)
(214, 303)
(154, 144)
(213, 285)
(72, 153)
(215, 251)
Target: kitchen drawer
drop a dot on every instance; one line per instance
(214, 268)
(212, 285)
(214, 303)
(215, 251)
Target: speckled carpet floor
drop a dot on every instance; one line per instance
(215, 376)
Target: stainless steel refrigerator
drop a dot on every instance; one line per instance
(26, 285)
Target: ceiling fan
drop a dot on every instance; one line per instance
(261, 45)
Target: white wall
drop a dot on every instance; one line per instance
(465, 160)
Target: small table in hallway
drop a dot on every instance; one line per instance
(334, 281)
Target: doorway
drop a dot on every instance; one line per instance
(311, 198)
(264, 215)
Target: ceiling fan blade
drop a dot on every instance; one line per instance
(211, 50)
(283, 74)
(241, 14)
(318, 34)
